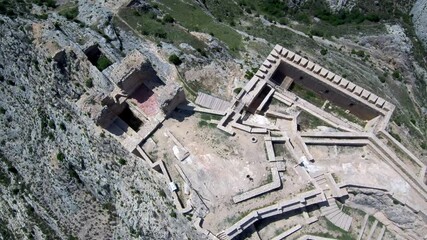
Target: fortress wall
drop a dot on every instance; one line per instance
(324, 90)
(282, 62)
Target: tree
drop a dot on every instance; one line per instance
(175, 60)
(168, 18)
(323, 51)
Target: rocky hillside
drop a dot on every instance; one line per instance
(418, 12)
(62, 177)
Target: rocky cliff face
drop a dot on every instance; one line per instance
(419, 18)
(60, 175)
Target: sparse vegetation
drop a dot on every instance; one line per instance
(237, 90)
(174, 59)
(48, 3)
(62, 126)
(168, 18)
(162, 193)
(89, 83)
(4, 178)
(103, 62)
(323, 51)
(202, 123)
(306, 94)
(52, 124)
(70, 13)
(344, 235)
(307, 121)
(396, 75)
(395, 136)
(194, 18)
(359, 53)
(60, 156)
(122, 161)
(144, 23)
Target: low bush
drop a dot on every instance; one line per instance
(174, 59)
(168, 18)
(323, 51)
(102, 63)
(89, 83)
(70, 13)
(60, 156)
(122, 161)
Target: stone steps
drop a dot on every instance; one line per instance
(365, 221)
(373, 227)
(381, 235)
(222, 236)
(336, 216)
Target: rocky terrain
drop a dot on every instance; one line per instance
(62, 177)
(420, 21)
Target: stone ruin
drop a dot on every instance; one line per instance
(141, 101)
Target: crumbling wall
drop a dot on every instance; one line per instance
(169, 105)
(108, 112)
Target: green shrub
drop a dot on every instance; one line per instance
(396, 75)
(160, 34)
(60, 156)
(372, 17)
(249, 74)
(173, 214)
(42, 16)
(359, 53)
(162, 193)
(122, 161)
(168, 18)
(323, 51)
(70, 13)
(89, 83)
(202, 52)
(10, 82)
(175, 59)
(315, 32)
(303, 17)
(52, 124)
(71, 237)
(62, 126)
(202, 123)
(396, 136)
(47, 3)
(102, 63)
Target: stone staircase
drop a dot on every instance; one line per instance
(334, 214)
(222, 236)
(322, 182)
(372, 230)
